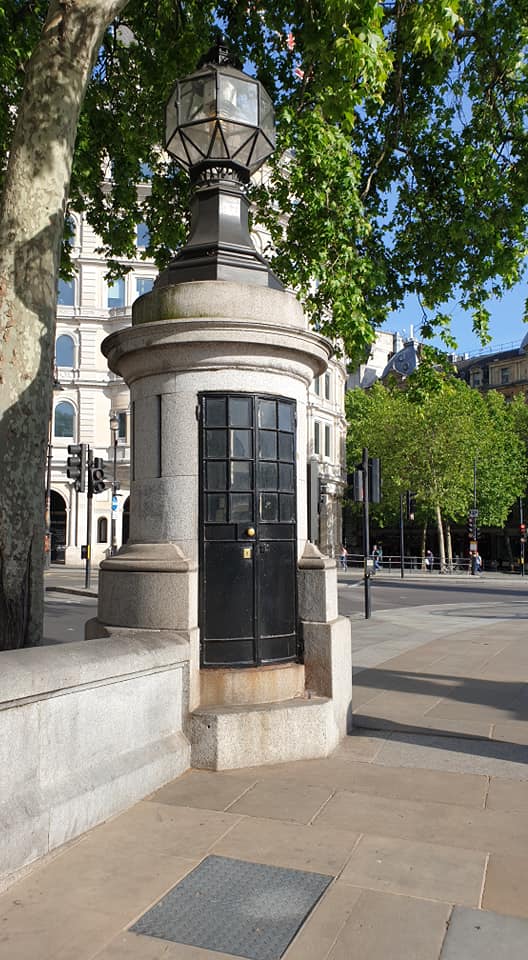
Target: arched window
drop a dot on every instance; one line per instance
(64, 351)
(64, 419)
(102, 530)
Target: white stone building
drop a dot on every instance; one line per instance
(89, 308)
(327, 442)
(384, 347)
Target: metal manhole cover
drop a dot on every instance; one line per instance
(247, 909)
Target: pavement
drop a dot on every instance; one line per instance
(417, 823)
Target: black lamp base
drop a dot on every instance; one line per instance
(220, 246)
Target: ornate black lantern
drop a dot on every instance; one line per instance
(220, 129)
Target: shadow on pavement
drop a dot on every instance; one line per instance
(449, 740)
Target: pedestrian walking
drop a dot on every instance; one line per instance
(376, 557)
(343, 557)
(429, 561)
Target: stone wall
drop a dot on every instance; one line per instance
(86, 730)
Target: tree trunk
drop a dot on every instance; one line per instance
(31, 225)
(441, 545)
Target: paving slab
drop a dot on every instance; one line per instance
(132, 946)
(315, 847)
(482, 935)
(202, 789)
(360, 746)
(506, 887)
(458, 755)
(511, 731)
(163, 830)
(424, 870)
(408, 721)
(324, 925)
(383, 926)
(283, 800)
(508, 795)
(449, 824)
(372, 778)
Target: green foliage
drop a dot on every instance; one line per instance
(402, 160)
(429, 440)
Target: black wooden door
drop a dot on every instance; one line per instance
(247, 530)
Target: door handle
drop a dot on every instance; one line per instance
(250, 531)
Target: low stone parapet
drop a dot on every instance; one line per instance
(86, 730)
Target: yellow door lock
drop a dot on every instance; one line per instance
(250, 531)
(247, 553)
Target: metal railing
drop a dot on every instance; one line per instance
(412, 564)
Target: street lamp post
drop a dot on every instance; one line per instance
(114, 426)
(47, 507)
(47, 502)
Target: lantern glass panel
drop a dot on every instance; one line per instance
(267, 116)
(198, 138)
(197, 98)
(218, 149)
(237, 99)
(239, 141)
(263, 148)
(171, 118)
(177, 150)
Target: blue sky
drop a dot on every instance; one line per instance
(506, 325)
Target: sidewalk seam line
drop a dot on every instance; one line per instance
(321, 808)
(486, 793)
(484, 878)
(448, 924)
(239, 797)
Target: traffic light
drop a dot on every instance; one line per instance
(472, 527)
(355, 485)
(76, 465)
(374, 467)
(411, 505)
(522, 529)
(98, 475)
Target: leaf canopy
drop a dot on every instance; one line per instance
(402, 158)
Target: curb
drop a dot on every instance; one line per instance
(77, 591)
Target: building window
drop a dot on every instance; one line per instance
(327, 444)
(476, 381)
(116, 293)
(122, 427)
(70, 231)
(327, 386)
(64, 351)
(144, 285)
(102, 530)
(317, 386)
(66, 293)
(142, 236)
(505, 375)
(317, 437)
(64, 419)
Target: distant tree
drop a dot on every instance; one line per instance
(428, 441)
